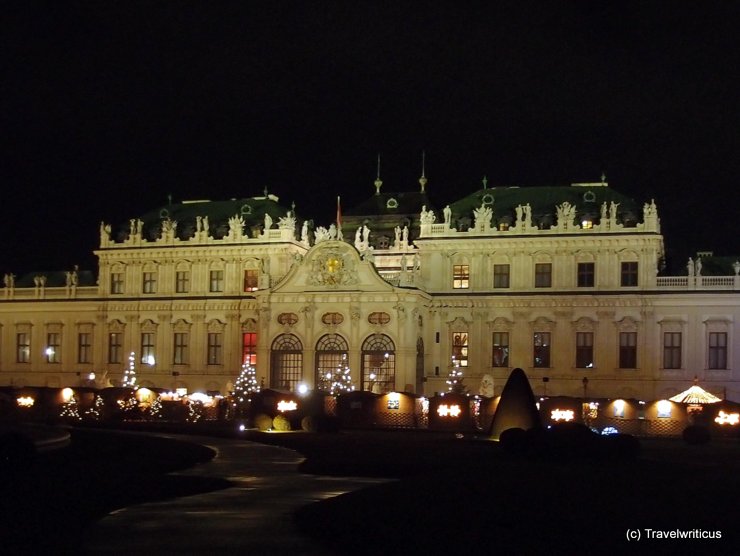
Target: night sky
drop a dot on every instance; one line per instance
(107, 107)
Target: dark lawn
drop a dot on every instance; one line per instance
(454, 496)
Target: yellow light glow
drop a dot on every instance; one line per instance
(201, 397)
(67, 394)
(723, 418)
(181, 391)
(664, 408)
(394, 396)
(286, 406)
(26, 401)
(144, 395)
(449, 411)
(561, 415)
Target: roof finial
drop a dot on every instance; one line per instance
(485, 182)
(265, 191)
(603, 178)
(378, 182)
(423, 178)
(169, 199)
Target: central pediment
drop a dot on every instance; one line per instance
(332, 265)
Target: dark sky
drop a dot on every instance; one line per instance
(106, 107)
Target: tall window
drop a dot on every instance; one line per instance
(23, 347)
(331, 354)
(114, 347)
(501, 274)
(249, 348)
(541, 353)
(53, 347)
(671, 350)
(629, 274)
(718, 350)
(149, 282)
(586, 273)
(251, 280)
(147, 348)
(181, 348)
(460, 276)
(543, 275)
(584, 350)
(217, 281)
(286, 362)
(214, 348)
(116, 282)
(182, 281)
(460, 348)
(84, 347)
(378, 364)
(500, 349)
(628, 350)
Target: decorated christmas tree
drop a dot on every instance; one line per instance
(455, 381)
(246, 385)
(341, 379)
(96, 411)
(155, 408)
(129, 375)
(70, 409)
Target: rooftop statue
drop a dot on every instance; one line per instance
(427, 216)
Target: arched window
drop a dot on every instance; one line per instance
(331, 354)
(286, 362)
(378, 364)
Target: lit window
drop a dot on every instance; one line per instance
(147, 348)
(251, 280)
(460, 348)
(23, 347)
(182, 281)
(249, 348)
(216, 281)
(460, 276)
(116, 282)
(541, 354)
(53, 348)
(149, 282)
(500, 349)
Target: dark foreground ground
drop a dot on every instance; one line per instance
(454, 496)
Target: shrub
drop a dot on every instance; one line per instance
(263, 422)
(281, 423)
(696, 434)
(320, 423)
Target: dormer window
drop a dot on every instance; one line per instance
(391, 203)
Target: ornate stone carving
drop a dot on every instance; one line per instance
(333, 268)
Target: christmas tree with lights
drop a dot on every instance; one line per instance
(129, 375)
(340, 381)
(155, 408)
(455, 381)
(70, 409)
(246, 386)
(96, 411)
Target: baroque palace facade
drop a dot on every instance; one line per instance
(563, 282)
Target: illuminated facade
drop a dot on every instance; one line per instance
(560, 281)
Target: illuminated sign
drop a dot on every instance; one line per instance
(561, 415)
(449, 411)
(25, 401)
(286, 406)
(723, 418)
